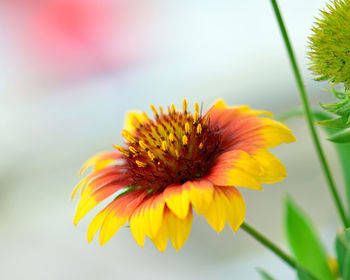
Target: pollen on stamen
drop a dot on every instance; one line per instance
(143, 145)
(173, 109)
(187, 128)
(184, 140)
(126, 134)
(164, 146)
(195, 118)
(151, 155)
(153, 108)
(199, 129)
(122, 150)
(171, 138)
(140, 163)
(184, 105)
(196, 107)
(172, 147)
(133, 150)
(147, 119)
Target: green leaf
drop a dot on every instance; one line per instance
(342, 245)
(264, 275)
(343, 150)
(305, 242)
(342, 136)
(341, 109)
(303, 275)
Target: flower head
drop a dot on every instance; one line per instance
(329, 44)
(178, 162)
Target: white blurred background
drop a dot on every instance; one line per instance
(71, 68)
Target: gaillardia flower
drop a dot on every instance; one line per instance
(179, 162)
(330, 44)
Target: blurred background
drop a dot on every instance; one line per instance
(69, 71)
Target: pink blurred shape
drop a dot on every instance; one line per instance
(76, 38)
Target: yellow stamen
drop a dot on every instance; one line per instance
(143, 145)
(199, 129)
(171, 138)
(164, 146)
(184, 105)
(122, 150)
(173, 109)
(153, 108)
(177, 154)
(196, 107)
(146, 117)
(161, 110)
(188, 116)
(140, 163)
(195, 117)
(151, 155)
(127, 135)
(200, 146)
(184, 140)
(132, 149)
(187, 128)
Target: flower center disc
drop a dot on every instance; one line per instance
(173, 148)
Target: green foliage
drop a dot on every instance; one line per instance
(343, 150)
(305, 243)
(341, 109)
(303, 275)
(341, 136)
(264, 275)
(342, 245)
(330, 44)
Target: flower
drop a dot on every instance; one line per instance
(329, 44)
(180, 161)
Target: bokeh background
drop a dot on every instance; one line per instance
(69, 69)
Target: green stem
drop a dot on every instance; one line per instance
(309, 118)
(275, 249)
(270, 245)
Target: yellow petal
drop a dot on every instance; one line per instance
(161, 239)
(177, 198)
(100, 161)
(118, 213)
(178, 229)
(215, 214)
(155, 215)
(274, 170)
(95, 225)
(227, 205)
(235, 168)
(147, 219)
(201, 195)
(219, 104)
(275, 133)
(137, 226)
(235, 207)
(83, 208)
(243, 109)
(111, 224)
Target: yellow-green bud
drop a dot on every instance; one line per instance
(330, 44)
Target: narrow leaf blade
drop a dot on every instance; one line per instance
(305, 242)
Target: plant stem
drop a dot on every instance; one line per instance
(270, 245)
(309, 118)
